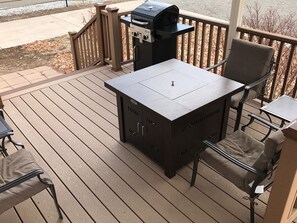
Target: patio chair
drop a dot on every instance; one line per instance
(251, 64)
(21, 178)
(5, 132)
(243, 160)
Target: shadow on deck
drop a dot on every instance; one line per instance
(70, 125)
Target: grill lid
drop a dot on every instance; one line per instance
(153, 15)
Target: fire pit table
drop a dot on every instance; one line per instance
(167, 109)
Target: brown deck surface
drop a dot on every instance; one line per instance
(70, 125)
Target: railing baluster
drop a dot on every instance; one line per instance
(183, 43)
(295, 88)
(127, 43)
(209, 45)
(216, 59)
(80, 47)
(273, 87)
(189, 44)
(288, 68)
(196, 43)
(202, 44)
(88, 47)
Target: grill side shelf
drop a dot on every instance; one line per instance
(174, 30)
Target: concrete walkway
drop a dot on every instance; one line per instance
(19, 32)
(26, 77)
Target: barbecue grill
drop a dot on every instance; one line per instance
(154, 27)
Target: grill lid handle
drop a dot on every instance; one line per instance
(139, 22)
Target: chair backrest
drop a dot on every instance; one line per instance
(269, 156)
(247, 61)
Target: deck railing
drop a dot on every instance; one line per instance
(203, 47)
(284, 80)
(87, 44)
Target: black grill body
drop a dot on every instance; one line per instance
(154, 27)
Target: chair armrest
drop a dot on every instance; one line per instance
(250, 86)
(216, 65)
(232, 159)
(20, 180)
(262, 79)
(263, 121)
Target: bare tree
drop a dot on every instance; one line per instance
(272, 21)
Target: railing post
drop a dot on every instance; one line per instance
(235, 21)
(115, 38)
(99, 7)
(74, 50)
(282, 203)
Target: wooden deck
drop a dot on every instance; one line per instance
(70, 126)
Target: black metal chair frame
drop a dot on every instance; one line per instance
(260, 175)
(247, 88)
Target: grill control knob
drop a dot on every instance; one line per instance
(135, 34)
(145, 37)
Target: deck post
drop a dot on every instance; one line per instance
(282, 203)
(74, 50)
(235, 21)
(99, 7)
(114, 27)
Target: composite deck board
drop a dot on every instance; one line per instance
(104, 137)
(60, 158)
(203, 202)
(10, 216)
(92, 158)
(81, 167)
(72, 209)
(71, 128)
(114, 133)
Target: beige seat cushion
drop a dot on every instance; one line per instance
(249, 151)
(240, 146)
(273, 144)
(13, 167)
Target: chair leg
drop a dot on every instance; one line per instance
(52, 188)
(238, 116)
(252, 210)
(3, 149)
(195, 167)
(15, 143)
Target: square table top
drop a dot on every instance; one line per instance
(174, 88)
(284, 107)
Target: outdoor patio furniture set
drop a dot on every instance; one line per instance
(175, 112)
